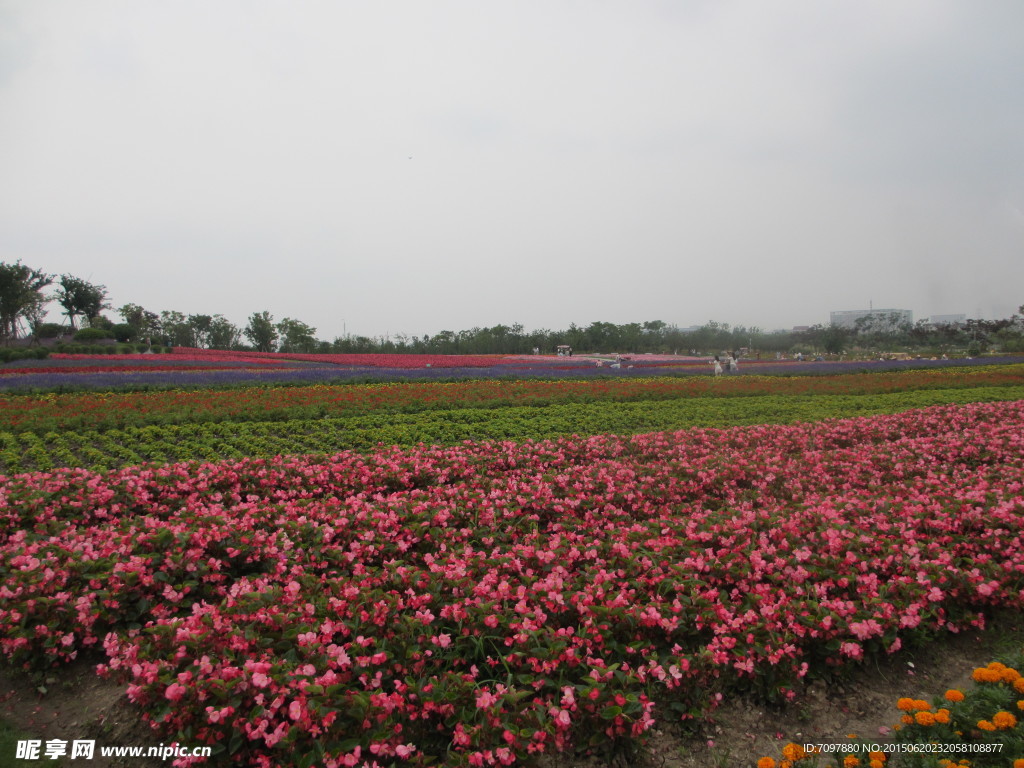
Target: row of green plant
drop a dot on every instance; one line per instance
(28, 451)
(11, 354)
(57, 412)
(106, 349)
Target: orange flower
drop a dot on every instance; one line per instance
(986, 675)
(1018, 763)
(921, 704)
(851, 761)
(1018, 685)
(876, 755)
(1020, 704)
(924, 718)
(954, 695)
(794, 751)
(766, 762)
(985, 725)
(905, 704)
(1004, 720)
(942, 716)
(876, 764)
(907, 720)
(1010, 675)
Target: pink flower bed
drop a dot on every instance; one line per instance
(179, 354)
(359, 360)
(482, 603)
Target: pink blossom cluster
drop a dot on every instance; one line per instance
(486, 602)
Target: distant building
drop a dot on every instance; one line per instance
(877, 319)
(947, 319)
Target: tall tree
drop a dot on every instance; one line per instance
(176, 329)
(296, 336)
(146, 324)
(21, 296)
(223, 333)
(261, 331)
(80, 298)
(200, 325)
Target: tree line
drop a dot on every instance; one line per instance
(25, 293)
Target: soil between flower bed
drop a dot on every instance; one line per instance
(77, 705)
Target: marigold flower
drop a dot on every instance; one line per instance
(876, 764)
(921, 704)
(794, 751)
(766, 762)
(1020, 704)
(907, 720)
(954, 695)
(905, 704)
(851, 761)
(1018, 763)
(942, 716)
(876, 755)
(1004, 720)
(1018, 685)
(985, 675)
(986, 725)
(924, 718)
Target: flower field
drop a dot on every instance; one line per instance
(203, 368)
(480, 573)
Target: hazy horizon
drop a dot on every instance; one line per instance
(406, 168)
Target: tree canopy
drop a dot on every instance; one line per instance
(80, 298)
(21, 297)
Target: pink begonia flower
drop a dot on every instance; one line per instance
(260, 680)
(175, 691)
(485, 700)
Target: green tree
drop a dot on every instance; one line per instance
(223, 334)
(261, 331)
(80, 298)
(21, 297)
(200, 325)
(145, 323)
(296, 336)
(176, 329)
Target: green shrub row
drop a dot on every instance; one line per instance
(8, 354)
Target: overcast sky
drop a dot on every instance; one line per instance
(408, 167)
